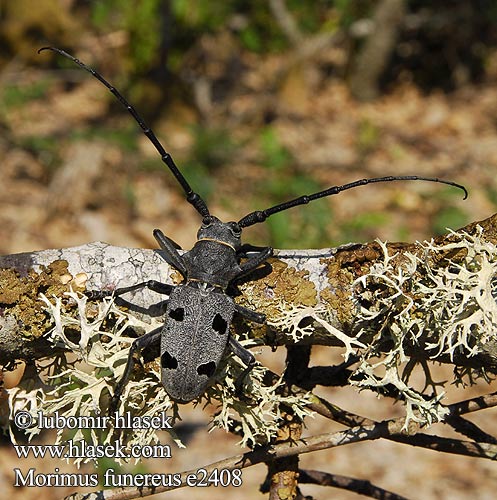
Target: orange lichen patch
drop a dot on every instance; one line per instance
(341, 271)
(20, 295)
(283, 285)
(345, 267)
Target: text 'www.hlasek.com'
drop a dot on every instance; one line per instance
(78, 450)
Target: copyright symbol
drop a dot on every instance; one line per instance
(23, 419)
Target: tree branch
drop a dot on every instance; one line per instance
(486, 448)
(359, 486)
(374, 56)
(286, 21)
(265, 454)
(311, 279)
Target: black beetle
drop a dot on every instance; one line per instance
(199, 310)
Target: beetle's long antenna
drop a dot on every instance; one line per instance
(192, 197)
(261, 215)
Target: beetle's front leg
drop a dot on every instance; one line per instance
(170, 248)
(138, 345)
(254, 262)
(155, 286)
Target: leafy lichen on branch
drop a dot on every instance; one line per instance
(410, 304)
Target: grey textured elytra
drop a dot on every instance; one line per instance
(195, 335)
(194, 339)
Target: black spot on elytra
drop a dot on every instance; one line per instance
(168, 361)
(219, 324)
(207, 369)
(177, 314)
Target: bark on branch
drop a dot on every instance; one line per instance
(311, 279)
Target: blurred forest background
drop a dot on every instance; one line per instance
(257, 102)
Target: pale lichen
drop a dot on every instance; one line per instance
(293, 321)
(435, 303)
(445, 310)
(257, 418)
(84, 385)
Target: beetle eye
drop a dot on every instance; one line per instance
(207, 221)
(235, 229)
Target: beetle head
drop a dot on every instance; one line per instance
(227, 233)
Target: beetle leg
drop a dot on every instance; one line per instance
(170, 248)
(255, 261)
(248, 359)
(244, 354)
(160, 235)
(155, 286)
(249, 314)
(248, 248)
(138, 345)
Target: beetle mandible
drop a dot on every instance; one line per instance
(199, 311)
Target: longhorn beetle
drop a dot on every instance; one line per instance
(199, 311)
